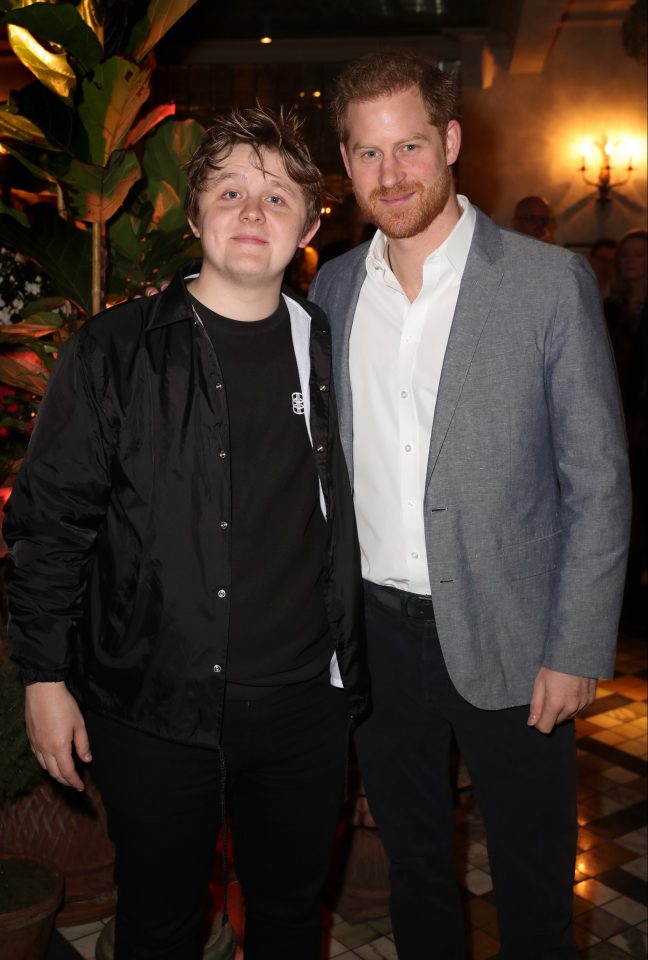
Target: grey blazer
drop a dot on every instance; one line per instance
(527, 500)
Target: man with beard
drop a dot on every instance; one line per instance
(482, 428)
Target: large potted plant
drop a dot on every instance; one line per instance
(109, 217)
(30, 889)
(30, 894)
(42, 820)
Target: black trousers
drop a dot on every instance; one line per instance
(525, 784)
(286, 769)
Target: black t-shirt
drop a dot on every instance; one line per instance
(278, 627)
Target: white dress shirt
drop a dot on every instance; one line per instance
(395, 359)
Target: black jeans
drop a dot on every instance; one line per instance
(525, 784)
(286, 770)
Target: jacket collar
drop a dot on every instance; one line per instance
(173, 304)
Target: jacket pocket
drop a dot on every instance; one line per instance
(534, 557)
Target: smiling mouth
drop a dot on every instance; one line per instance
(397, 201)
(249, 238)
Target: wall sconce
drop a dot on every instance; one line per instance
(604, 183)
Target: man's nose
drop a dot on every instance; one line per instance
(253, 210)
(391, 172)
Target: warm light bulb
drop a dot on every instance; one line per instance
(265, 40)
(317, 93)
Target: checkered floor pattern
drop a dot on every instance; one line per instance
(610, 886)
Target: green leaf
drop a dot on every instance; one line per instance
(52, 69)
(165, 154)
(168, 149)
(150, 121)
(18, 375)
(44, 305)
(61, 24)
(94, 193)
(42, 164)
(160, 17)
(37, 326)
(55, 118)
(110, 102)
(14, 126)
(62, 250)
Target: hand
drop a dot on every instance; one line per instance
(557, 697)
(54, 723)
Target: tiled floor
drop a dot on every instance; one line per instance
(611, 875)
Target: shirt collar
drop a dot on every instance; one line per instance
(454, 248)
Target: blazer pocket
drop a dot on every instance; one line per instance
(534, 557)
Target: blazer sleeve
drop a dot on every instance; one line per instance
(590, 454)
(55, 510)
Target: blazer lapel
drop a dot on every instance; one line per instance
(479, 284)
(341, 332)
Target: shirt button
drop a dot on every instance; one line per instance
(410, 503)
(414, 555)
(224, 525)
(222, 593)
(404, 394)
(408, 447)
(217, 668)
(222, 454)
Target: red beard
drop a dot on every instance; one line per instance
(417, 215)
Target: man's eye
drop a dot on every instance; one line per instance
(231, 194)
(275, 200)
(409, 147)
(370, 154)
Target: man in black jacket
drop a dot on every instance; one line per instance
(184, 594)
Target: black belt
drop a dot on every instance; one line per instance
(412, 605)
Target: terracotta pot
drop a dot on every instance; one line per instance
(69, 830)
(25, 931)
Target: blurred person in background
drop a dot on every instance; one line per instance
(602, 259)
(626, 312)
(533, 216)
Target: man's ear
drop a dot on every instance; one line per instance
(194, 228)
(345, 160)
(308, 236)
(452, 142)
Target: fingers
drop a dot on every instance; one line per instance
(54, 725)
(60, 767)
(82, 744)
(537, 701)
(558, 697)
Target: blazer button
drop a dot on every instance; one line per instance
(320, 448)
(222, 454)
(217, 668)
(322, 387)
(222, 593)
(224, 525)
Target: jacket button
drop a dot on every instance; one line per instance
(217, 668)
(222, 454)
(320, 448)
(222, 593)
(224, 525)
(322, 387)
(219, 386)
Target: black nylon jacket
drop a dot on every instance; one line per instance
(118, 524)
